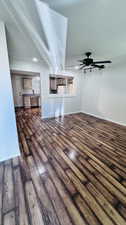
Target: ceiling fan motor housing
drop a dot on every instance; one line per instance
(88, 54)
(88, 61)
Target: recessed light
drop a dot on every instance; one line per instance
(35, 59)
(76, 67)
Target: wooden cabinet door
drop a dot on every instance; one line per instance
(53, 84)
(34, 101)
(27, 83)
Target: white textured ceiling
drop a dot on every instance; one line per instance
(96, 25)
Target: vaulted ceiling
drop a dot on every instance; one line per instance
(97, 25)
(20, 45)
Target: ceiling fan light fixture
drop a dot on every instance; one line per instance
(77, 67)
(88, 63)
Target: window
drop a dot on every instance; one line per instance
(61, 85)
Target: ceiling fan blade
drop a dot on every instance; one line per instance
(100, 67)
(102, 62)
(81, 67)
(70, 66)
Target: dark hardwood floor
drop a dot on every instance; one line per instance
(72, 172)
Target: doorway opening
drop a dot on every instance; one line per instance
(26, 88)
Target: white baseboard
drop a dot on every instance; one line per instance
(72, 112)
(18, 106)
(91, 114)
(103, 118)
(9, 157)
(46, 117)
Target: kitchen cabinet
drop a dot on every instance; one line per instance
(30, 101)
(34, 101)
(27, 83)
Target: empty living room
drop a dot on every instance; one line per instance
(63, 118)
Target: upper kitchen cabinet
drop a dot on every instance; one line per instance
(27, 83)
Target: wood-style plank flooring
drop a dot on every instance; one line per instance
(72, 172)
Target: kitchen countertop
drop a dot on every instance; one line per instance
(31, 95)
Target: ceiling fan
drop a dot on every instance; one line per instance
(88, 63)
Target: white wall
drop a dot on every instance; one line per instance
(8, 133)
(17, 91)
(51, 106)
(100, 93)
(104, 93)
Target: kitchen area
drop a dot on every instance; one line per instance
(26, 90)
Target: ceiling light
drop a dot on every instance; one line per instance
(76, 67)
(35, 59)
